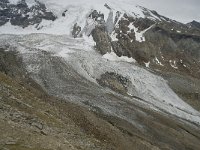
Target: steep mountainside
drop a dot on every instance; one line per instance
(133, 73)
(31, 119)
(126, 29)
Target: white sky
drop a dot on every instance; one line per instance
(180, 10)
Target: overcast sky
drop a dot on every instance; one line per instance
(180, 10)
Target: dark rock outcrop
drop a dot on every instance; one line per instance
(76, 30)
(98, 17)
(10, 63)
(99, 29)
(114, 81)
(117, 48)
(63, 14)
(168, 45)
(194, 24)
(102, 39)
(21, 15)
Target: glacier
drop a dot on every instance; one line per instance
(146, 90)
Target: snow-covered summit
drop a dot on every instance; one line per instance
(70, 12)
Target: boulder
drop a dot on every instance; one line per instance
(114, 81)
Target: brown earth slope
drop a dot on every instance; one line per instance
(32, 120)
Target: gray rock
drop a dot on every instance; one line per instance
(19, 14)
(114, 81)
(102, 39)
(37, 125)
(194, 24)
(76, 30)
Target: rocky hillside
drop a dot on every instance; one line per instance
(155, 42)
(34, 120)
(194, 24)
(98, 74)
(31, 119)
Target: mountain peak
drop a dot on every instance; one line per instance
(194, 24)
(59, 16)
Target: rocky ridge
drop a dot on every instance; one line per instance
(22, 15)
(194, 24)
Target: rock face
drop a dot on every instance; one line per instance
(165, 44)
(160, 40)
(22, 15)
(100, 36)
(194, 24)
(10, 63)
(101, 32)
(76, 30)
(99, 29)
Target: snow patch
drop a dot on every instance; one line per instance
(30, 3)
(147, 64)
(158, 62)
(184, 66)
(139, 35)
(113, 36)
(173, 64)
(89, 26)
(14, 1)
(113, 57)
